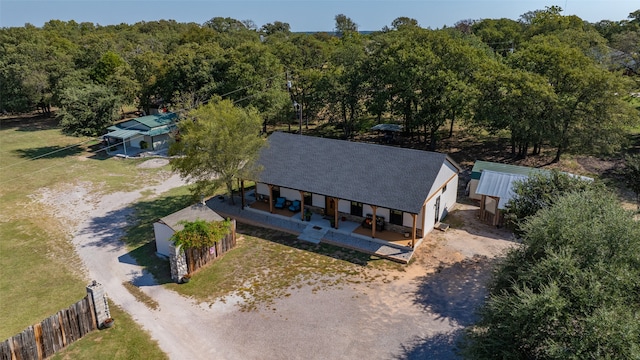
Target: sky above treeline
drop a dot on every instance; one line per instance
(302, 15)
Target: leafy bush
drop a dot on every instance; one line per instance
(200, 233)
(571, 290)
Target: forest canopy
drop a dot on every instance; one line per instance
(547, 79)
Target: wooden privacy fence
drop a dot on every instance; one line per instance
(44, 339)
(197, 258)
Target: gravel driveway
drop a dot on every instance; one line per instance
(417, 315)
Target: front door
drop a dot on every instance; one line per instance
(329, 206)
(437, 209)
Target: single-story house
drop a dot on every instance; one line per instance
(146, 132)
(492, 184)
(411, 190)
(170, 224)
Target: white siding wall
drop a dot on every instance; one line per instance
(446, 171)
(448, 198)
(135, 141)
(384, 212)
(407, 220)
(163, 233)
(344, 206)
(317, 200)
(473, 185)
(262, 188)
(290, 194)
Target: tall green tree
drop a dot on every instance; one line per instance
(343, 85)
(632, 174)
(88, 110)
(344, 25)
(516, 100)
(216, 144)
(541, 191)
(589, 112)
(570, 290)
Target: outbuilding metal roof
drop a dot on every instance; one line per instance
(191, 213)
(387, 176)
(124, 134)
(498, 184)
(480, 166)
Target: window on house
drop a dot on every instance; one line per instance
(444, 188)
(396, 217)
(356, 208)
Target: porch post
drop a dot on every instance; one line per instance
(271, 198)
(374, 221)
(242, 193)
(483, 199)
(497, 212)
(413, 231)
(424, 215)
(301, 205)
(335, 212)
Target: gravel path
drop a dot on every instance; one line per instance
(177, 324)
(417, 315)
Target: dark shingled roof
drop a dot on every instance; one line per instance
(390, 177)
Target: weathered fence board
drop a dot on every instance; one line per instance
(44, 339)
(197, 258)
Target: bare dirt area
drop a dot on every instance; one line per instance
(411, 314)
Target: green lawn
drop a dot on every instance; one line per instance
(39, 265)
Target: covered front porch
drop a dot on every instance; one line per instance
(395, 237)
(349, 234)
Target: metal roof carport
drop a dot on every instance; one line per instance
(123, 134)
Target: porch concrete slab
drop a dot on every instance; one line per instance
(313, 233)
(343, 236)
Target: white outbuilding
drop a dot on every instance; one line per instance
(168, 225)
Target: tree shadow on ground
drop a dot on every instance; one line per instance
(455, 292)
(29, 122)
(460, 219)
(49, 152)
(440, 346)
(132, 227)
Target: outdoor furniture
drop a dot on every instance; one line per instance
(280, 203)
(368, 222)
(295, 206)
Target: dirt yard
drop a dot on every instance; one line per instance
(411, 314)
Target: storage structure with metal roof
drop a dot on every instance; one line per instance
(132, 134)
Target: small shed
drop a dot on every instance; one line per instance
(150, 132)
(480, 166)
(492, 184)
(168, 225)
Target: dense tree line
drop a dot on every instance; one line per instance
(570, 291)
(548, 79)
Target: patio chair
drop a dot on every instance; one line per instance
(295, 206)
(280, 203)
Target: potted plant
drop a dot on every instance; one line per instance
(307, 215)
(186, 278)
(108, 323)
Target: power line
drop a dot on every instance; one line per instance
(127, 128)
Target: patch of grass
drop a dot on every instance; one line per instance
(455, 221)
(139, 237)
(125, 340)
(41, 272)
(269, 264)
(147, 300)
